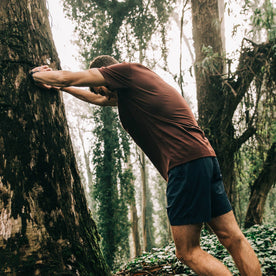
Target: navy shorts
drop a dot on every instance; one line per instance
(195, 192)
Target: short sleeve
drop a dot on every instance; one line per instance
(117, 76)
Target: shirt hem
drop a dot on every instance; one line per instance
(189, 160)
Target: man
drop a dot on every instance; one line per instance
(162, 124)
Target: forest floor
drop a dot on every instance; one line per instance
(162, 261)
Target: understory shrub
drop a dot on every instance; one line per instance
(162, 261)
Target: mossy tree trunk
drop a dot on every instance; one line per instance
(209, 48)
(260, 189)
(45, 226)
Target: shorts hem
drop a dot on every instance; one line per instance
(188, 221)
(227, 210)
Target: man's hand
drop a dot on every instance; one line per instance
(43, 68)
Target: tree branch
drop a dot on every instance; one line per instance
(249, 132)
(253, 57)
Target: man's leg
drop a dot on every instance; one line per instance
(188, 251)
(230, 235)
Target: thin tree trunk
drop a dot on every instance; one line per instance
(88, 194)
(135, 229)
(221, 7)
(134, 218)
(147, 219)
(260, 190)
(46, 227)
(144, 199)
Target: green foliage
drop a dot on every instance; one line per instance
(164, 262)
(108, 27)
(270, 208)
(255, 111)
(263, 17)
(112, 190)
(211, 64)
(257, 107)
(163, 229)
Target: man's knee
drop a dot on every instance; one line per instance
(187, 256)
(233, 240)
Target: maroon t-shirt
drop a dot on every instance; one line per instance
(156, 116)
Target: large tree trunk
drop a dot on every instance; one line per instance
(46, 228)
(209, 66)
(260, 189)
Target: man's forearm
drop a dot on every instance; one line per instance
(54, 78)
(45, 75)
(90, 97)
(91, 78)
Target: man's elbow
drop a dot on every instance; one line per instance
(108, 103)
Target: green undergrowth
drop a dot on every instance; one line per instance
(162, 261)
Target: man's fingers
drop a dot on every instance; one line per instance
(42, 85)
(45, 67)
(55, 87)
(42, 68)
(46, 86)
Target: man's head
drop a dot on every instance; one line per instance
(104, 60)
(98, 62)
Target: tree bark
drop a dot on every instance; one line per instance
(260, 189)
(221, 7)
(135, 229)
(46, 227)
(209, 67)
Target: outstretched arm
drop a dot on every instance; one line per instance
(45, 75)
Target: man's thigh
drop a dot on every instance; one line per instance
(225, 226)
(186, 236)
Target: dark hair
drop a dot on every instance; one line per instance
(103, 60)
(100, 61)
